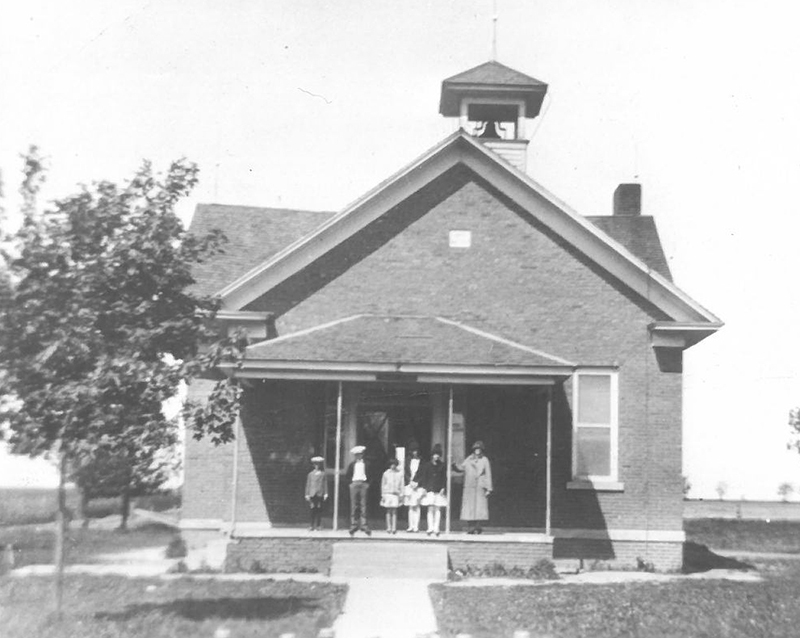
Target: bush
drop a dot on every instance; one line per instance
(179, 568)
(176, 548)
(542, 570)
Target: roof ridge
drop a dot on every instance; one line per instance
(306, 331)
(504, 341)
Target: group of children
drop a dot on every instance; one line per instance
(420, 484)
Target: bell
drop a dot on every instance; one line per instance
(490, 131)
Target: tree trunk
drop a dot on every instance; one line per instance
(61, 530)
(84, 505)
(126, 507)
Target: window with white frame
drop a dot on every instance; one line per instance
(594, 436)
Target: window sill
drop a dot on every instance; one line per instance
(597, 486)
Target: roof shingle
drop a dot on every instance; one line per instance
(638, 233)
(254, 235)
(401, 340)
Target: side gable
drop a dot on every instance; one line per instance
(253, 236)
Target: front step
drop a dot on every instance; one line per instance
(365, 559)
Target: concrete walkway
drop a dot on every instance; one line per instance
(386, 608)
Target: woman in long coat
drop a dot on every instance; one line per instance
(477, 488)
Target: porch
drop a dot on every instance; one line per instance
(393, 384)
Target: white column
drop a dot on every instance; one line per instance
(237, 432)
(336, 477)
(521, 122)
(449, 460)
(463, 118)
(547, 515)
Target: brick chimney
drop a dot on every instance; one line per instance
(628, 200)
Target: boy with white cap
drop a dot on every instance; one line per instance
(316, 491)
(358, 479)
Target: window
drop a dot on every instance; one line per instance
(594, 437)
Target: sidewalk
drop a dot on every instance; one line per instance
(386, 608)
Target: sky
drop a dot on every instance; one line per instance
(309, 103)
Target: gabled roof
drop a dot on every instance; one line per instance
(639, 235)
(400, 340)
(459, 149)
(253, 236)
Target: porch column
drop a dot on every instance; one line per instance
(449, 460)
(336, 477)
(237, 432)
(549, 479)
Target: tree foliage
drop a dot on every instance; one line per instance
(785, 490)
(794, 430)
(101, 326)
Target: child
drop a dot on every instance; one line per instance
(413, 493)
(316, 491)
(391, 488)
(433, 479)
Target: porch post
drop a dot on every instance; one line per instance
(549, 460)
(449, 459)
(336, 477)
(237, 432)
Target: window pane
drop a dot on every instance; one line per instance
(594, 398)
(594, 452)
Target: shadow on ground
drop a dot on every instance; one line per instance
(698, 558)
(222, 608)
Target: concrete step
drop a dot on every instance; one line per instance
(364, 559)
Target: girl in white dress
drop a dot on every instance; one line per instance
(412, 496)
(391, 490)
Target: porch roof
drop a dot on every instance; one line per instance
(401, 339)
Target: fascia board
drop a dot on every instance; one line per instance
(680, 334)
(403, 368)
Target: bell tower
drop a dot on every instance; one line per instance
(492, 103)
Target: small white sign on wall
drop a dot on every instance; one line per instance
(460, 238)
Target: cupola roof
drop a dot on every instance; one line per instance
(491, 79)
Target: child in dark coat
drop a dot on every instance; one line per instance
(316, 492)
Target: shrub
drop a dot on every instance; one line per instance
(542, 570)
(179, 568)
(644, 566)
(176, 548)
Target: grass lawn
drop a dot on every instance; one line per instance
(24, 506)
(644, 610)
(34, 543)
(742, 534)
(117, 607)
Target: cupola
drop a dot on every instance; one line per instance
(492, 103)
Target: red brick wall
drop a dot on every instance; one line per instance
(280, 555)
(518, 281)
(282, 430)
(521, 555)
(208, 470)
(663, 556)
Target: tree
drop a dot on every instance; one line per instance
(687, 486)
(100, 327)
(104, 474)
(785, 490)
(794, 430)
(721, 489)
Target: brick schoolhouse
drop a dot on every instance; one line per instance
(457, 300)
